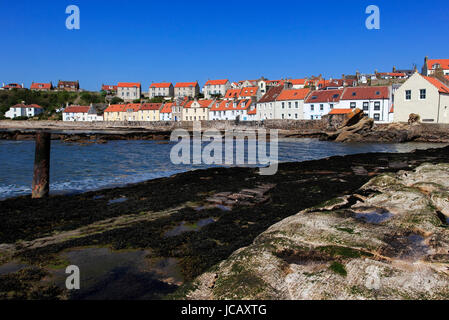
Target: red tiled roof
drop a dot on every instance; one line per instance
(293, 94)
(324, 96)
(186, 84)
(444, 63)
(216, 82)
(128, 85)
(115, 108)
(203, 103)
(77, 109)
(132, 106)
(272, 94)
(249, 91)
(151, 106)
(161, 85)
(226, 105)
(13, 86)
(107, 87)
(233, 93)
(442, 88)
(297, 81)
(341, 111)
(40, 86)
(393, 74)
(167, 108)
(366, 93)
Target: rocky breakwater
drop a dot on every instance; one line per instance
(389, 240)
(359, 128)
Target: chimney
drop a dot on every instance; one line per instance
(287, 85)
(426, 59)
(394, 69)
(343, 76)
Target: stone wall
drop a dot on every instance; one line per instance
(327, 123)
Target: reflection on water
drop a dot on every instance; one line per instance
(77, 168)
(122, 275)
(184, 227)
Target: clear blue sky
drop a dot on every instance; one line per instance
(174, 40)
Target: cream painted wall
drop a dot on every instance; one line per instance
(427, 108)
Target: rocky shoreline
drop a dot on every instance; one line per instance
(355, 129)
(191, 221)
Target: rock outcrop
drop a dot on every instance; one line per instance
(388, 241)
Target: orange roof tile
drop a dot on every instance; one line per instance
(151, 106)
(40, 86)
(128, 85)
(167, 107)
(186, 84)
(444, 63)
(297, 81)
(341, 111)
(161, 85)
(442, 88)
(324, 96)
(249, 91)
(115, 108)
(233, 93)
(366, 93)
(293, 94)
(216, 82)
(227, 105)
(76, 109)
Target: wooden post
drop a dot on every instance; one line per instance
(41, 177)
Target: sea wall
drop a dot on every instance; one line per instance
(327, 123)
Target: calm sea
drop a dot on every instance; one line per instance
(78, 168)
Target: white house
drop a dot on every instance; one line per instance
(166, 112)
(290, 104)
(426, 96)
(230, 110)
(22, 110)
(216, 87)
(129, 91)
(375, 102)
(266, 105)
(163, 89)
(430, 65)
(320, 102)
(75, 113)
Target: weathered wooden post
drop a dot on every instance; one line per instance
(41, 177)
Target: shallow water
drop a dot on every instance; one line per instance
(120, 275)
(184, 227)
(77, 168)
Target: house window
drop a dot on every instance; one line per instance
(283, 105)
(376, 116)
(365, 106)
(322, 107)
(377, 106)
(289, 105)
(408, 94)
(312, 108)
(353, 105)
(422, 94)
(296, 105)
(331, 106)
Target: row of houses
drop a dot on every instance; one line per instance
(426, 96)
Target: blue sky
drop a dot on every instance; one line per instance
(174, 41)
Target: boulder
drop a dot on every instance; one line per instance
(392, 243)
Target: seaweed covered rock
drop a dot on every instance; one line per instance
(388, 241)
